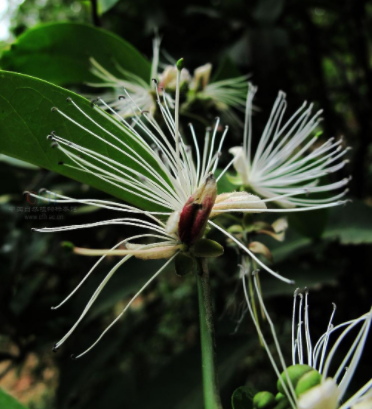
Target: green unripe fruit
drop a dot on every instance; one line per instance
(282, 402)
(263, 400)
(279, 397)
(308, 381)
(295, 372)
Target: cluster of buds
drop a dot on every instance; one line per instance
(306, 382)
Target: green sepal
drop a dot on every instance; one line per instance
(308, 381)
(207, 249)
(295, 372)
(185, 264)
(264, 400)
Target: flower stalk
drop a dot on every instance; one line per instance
(211, 390)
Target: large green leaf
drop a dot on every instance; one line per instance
(351, 224)
(8, 402)
(60, 52)
(106, 5)
(26, 119)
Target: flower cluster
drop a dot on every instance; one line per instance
(222, 95)
(179, 179)
(289, 160)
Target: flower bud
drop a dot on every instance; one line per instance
(295, 372)
(264, 400)
(195, 213)
(323, 396)
(236, 201)
(308, 381)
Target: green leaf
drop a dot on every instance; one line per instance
(242, 398)
(8, 402)
(309, 224)
(224, 184)
(351, 224)
(226, 69)
(26, 119)
(106, 5)
(60, 52)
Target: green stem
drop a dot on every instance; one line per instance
(211, 391)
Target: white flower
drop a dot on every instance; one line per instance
(184, 188)
(329, 393)
(289, 160)
(141, 92)
(224, 94)
(323, 396)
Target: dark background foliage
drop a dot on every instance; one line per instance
(318, 51)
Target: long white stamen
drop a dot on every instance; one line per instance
(299, 331)
(294, 327)
(330, 325)
(245, 249)
(92, 300)
(128, 305)
(273, 363)
(176, 117)
(307, 329)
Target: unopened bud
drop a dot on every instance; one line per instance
(195, 213)
(326, 395)
(308, 381)
(263, 400)
(294, 372)
(237, 200)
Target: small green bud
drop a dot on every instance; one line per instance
(279, 397)
(295, 372)
(184, 264)
(180, 64)
(282, 402)
(308, 381)
(263, 400)
(207, 248)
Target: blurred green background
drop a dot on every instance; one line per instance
(313, 50)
